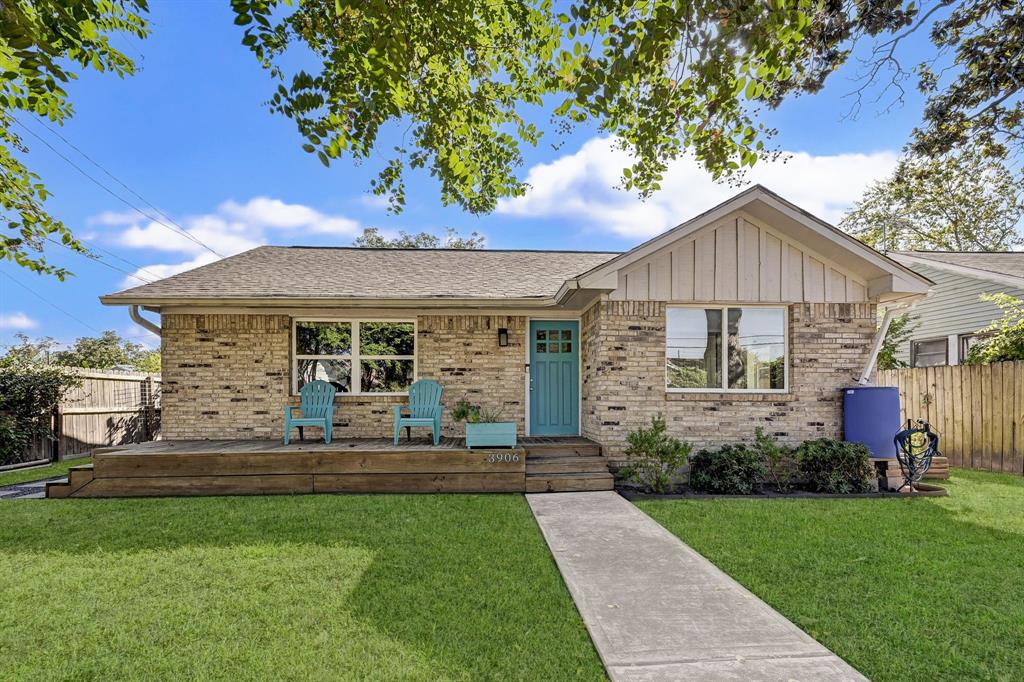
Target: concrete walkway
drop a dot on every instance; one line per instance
(657, 610)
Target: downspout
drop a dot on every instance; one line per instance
(883, 329)
(137, 318)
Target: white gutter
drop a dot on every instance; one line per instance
(133, 312)
(883, 329)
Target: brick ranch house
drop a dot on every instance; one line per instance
(753, 313)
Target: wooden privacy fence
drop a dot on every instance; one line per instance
(109, 408)
(978, 411)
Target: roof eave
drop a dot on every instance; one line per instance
(152, 302)
(965, 270)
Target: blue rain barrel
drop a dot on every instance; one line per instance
(871, 415)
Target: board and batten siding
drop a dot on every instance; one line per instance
(738, 259)
(954, 307)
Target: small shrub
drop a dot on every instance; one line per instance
(730, 470)
(655, 457)
(777, 459)
(834, 466)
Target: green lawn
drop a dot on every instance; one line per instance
(302, 588)
(903, 589)
(39, 473)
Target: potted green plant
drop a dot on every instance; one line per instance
(483, 427)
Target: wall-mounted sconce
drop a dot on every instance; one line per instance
(502, 337)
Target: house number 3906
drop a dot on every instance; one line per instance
(496, 457)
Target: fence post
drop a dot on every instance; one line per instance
(57, 428)
(147, 409)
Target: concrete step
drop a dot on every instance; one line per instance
(566, 464)
(564, 483)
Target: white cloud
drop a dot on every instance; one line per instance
(582, 185)
(18, 321)
(234, 227)
(274, 213)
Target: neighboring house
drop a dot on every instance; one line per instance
(949, 319)
(752, 313)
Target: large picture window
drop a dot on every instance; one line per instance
(726, 349)
(355, 356)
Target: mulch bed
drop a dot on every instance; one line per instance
(924, 490)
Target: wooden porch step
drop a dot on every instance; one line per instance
(78, 477)
(581, 448)
(566, 464)
(58, 489)
(565, 483)
(939, 469)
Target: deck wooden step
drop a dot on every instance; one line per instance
(564, 483)
(581, 448)
(566, 464)
(58, 489)
(939, 469)
(78, 478)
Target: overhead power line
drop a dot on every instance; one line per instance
(51, 304)
(99, 260)
(65, 312)
(177, 229)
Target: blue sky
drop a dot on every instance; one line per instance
(190, 133)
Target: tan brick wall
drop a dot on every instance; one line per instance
(623, 369)
(228, 376)
(462, 352)
(224, 376)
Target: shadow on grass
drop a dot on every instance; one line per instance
(313, 587)
(927, 588)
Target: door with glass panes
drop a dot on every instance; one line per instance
(554, 378)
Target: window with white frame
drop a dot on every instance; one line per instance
(726, 348)
(355, 356)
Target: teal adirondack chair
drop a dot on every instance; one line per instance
(424, 409)
(317, 407)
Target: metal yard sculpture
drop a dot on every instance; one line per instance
(915, 448)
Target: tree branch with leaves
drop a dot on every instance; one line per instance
(42, 42)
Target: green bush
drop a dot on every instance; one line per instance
(834, 466)
(28, 394)
(655, 457)
(778, 460)
(730, 470)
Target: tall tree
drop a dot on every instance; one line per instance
(107, 351)
(28, 352)
(461, 80)
(960, 202)
(42, 42)
(371, 238)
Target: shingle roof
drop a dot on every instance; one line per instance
(1009, 263)
(346, 272)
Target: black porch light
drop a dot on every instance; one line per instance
(502, 337)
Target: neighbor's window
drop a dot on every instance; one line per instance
(930, 353)
(728, 348)
(967, 342)
(357, 356)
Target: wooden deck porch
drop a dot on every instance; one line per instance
(261, 467)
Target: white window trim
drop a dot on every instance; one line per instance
(725, 351)
(355, 356)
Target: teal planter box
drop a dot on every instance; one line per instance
(491, 435)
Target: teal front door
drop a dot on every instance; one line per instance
(554, 378)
